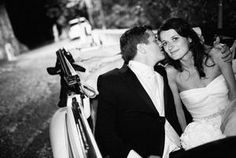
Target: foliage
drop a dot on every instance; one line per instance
(230, 14)
(128, 16)
(61, 13)
(122, 13)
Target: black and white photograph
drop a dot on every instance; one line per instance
(117, 78)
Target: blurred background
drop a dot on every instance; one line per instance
(32, 30)
(31, 22)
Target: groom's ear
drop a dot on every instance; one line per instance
(190, 40)
(140, 48)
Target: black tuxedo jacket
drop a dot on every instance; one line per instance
(127, 118)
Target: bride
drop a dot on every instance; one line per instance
(201, 80)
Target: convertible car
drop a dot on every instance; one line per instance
(72, 125)
(71, 133)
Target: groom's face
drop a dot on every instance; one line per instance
(153, 48)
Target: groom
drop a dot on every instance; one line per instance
(131, 117)
(136, 114)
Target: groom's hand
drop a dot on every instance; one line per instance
(221, 50)
(227, 54)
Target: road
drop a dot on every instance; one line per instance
(28, 99)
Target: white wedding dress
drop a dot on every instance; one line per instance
(207, 106)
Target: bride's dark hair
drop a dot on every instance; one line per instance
(197, 48)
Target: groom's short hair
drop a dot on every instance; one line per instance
(129, 40)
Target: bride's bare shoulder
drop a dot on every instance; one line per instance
(171, 71)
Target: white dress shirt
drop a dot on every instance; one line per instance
(153, 84)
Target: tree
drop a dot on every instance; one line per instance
(9, 46)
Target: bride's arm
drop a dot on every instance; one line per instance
(171, 74)
(233, 50)
(227, 71)
(234, 66)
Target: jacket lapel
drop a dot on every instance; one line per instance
(136, 87)
(132, 81)
(170, 110)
